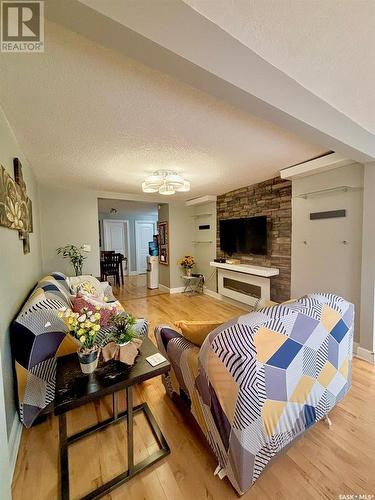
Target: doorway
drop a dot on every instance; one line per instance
(127, 227)
(116, 238)
(144, 233)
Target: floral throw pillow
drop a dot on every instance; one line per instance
(80, 302)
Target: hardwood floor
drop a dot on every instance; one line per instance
(135, 287)
(324, 463)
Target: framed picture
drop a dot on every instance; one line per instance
(163, 243)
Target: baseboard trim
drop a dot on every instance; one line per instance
(164, 288)
(228, 300)
(364, 354)
(14, 443)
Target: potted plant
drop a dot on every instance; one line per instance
(123, 343)
(187, 263)
(75, 256)
(84, 327)
(123, 330)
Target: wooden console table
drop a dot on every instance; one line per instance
(74, 389)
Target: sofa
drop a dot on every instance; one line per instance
(262, 379)
(39, 337)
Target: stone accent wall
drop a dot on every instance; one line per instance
(272, 198)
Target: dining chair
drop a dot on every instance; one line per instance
(110, 266)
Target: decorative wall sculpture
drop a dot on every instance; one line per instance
(15, 205)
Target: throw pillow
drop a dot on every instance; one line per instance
(86, 285)
(80, 302)
(197, 331)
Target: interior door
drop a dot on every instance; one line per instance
(144, 232)
(115, 237)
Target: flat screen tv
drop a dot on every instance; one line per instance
(245, 236)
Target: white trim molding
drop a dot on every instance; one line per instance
(14, 442)
(321, 164)
(364, 354)
(178, 289)
(105, 227)
(200, 201)
(137, 224)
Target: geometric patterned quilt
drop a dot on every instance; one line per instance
(38, 338)
(262, 379)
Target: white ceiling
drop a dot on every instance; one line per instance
(126, 207)
(86, 115)
(328, 46)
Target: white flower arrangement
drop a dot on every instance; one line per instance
(83, 326)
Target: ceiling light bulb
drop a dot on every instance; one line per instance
(184, 188)
(155, 178)
(149, 188)
(174, 179)
(166, 189)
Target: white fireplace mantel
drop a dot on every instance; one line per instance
(243, 282)
(267, 272)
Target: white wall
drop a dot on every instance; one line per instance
(183, 235)
(204, 253)
(367, 338)
(180, 226)
(18, 273)
(324, 263)
(180, 239)
(69, 216)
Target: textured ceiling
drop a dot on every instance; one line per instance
(85, 115)
(328, 46)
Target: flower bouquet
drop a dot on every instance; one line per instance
(187, 262)
(84, 327)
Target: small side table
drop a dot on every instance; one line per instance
(193, 284)
(74, 389)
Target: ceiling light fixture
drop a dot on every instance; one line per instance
(165, 182)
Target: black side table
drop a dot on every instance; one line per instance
(74, 389)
